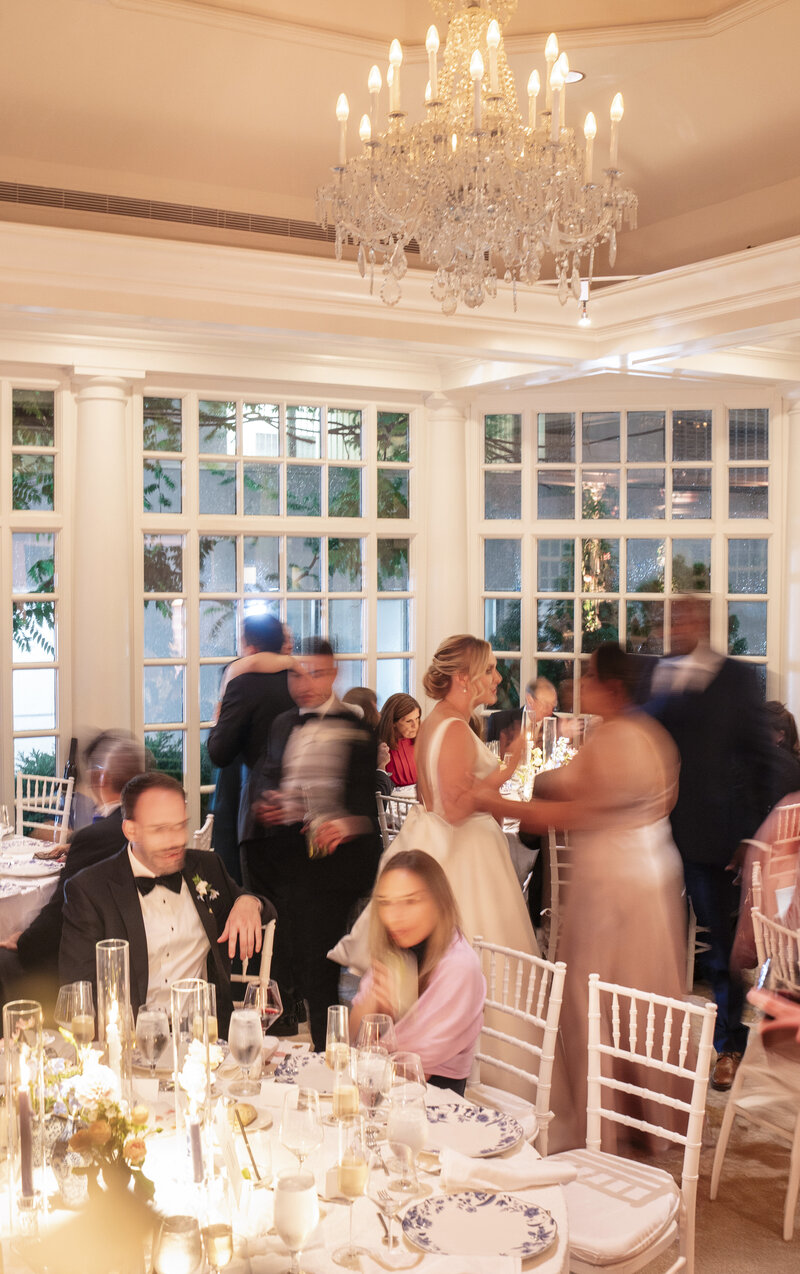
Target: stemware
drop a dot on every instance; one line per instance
(345, 1088)
(373, 1077)
(407, 1068)
(352, 1169)
(245, 1042)
(376, 1030)
(407, 1126)
(265, 998)
(211, 1018)
(337, 1036)
(296, 1213)
(152, 1033)
(217, 1232)
(301, 1126)
(82, 1020)
(178, 1248)
(5, 825)
(390, 1194)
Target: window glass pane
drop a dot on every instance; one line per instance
(691, 493)
(162, 486)
(35, 756)
(34, 632)
(600, 435)
(559, 673)
(217, 487)
(556, 434)
(646, 435)
(164, 630)
(163, 563)
(503, 494)
(345, 565)
(163, 693)
(162, 424)
(33, 417)
(350, 673)
(394, 626)
(706, 625)
(32, 482)
(502, 438)
(600, 566)
(304, 490)
(600, 622)
(645, 566)
(393, 677)
(508, 690)
(556, 625)
(691, 435)
(393, 573)
(262, 606)
(304, 617)
(747, 628)
(304, 432)
(303, 564)
(344, 434)
(645, 493)
(645, 628)
(748, 433)
(33, 561)
(691, 566)
(502, 566)
(556, 566)
(217, 628)
(344, 492)
(261, 429)
(166, 749)
(600, 493)
(747, 566)
(217, 555)
(748, 493)
(501, 623)
(345, 624)
(556, 493)
(392, 493)
(217, 427)
(261, 563)
(262, 489)
(393, 436)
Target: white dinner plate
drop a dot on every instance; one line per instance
(477, 1223)
(308, 1070)
(33, 868)
(14, 845)
(472, 1130)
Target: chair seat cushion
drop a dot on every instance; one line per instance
(617, 1208)
(508, 1104)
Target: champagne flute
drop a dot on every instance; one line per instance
(217, 1232)
(178, 1248)
(244, 1041)
(265, 998)
(82, 1021)
(373, 1077)
(152, 1034)
(296, 1212)
(301, 1125)
(213, 1027)
(337, 1036)
(345, 1089)
(377, 1031)
(352, 1169)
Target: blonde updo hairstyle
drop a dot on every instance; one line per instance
(460, 654)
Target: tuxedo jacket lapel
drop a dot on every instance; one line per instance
(209, 923)
(126, 897)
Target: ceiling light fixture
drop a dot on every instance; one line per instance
(485, 194)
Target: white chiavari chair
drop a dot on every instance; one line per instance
(624, 1214)
(523, 997)
(392, 813)
(201, 839)
(40, 799)
(559, 875)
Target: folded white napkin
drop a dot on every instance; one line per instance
(315, 1260)
(518, 1172)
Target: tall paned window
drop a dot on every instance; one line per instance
(303, 511)
(593, 521)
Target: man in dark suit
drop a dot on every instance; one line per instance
(541, 700)
(320, 767)
(179, 909)
(712, 708)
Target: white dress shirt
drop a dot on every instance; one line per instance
(315, 763)
(694, 671)
(177, 943)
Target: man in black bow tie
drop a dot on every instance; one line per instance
(179, 909)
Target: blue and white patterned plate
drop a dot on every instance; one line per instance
(477, 1223)
(472, 1130)
(306, 1069)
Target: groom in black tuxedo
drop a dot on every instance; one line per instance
(179, 909)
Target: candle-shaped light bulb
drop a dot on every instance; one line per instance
(493, 42)
(364, 129)
(617, 111)
(374, 84)
(589, 132)
(428, 98)
(342, 108)
(551, 57)
(395, 62)
(342, 113)
(534, 88)
(556, 89)
(374, 81)
(432, 45)
(563, 63)
(476, 72)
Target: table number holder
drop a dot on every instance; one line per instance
(114, 1017)
(23, 1037)
(190, 1000)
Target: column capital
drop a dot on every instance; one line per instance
(439, 404)
(101, 383)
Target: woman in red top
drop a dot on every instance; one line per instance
(398, 728)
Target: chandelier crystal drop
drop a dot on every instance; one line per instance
(484, 193)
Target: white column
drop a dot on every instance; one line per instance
(103, 676)
(792, 561)
(446, 582)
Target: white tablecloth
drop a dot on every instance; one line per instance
(22, 898)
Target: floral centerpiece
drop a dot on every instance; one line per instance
(526, 771)
(111, 1135)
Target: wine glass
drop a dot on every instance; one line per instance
(407, 1126)
(152, 1034)
(178, 1248)
(301, 1126)
(217, 1232)
(296, 1212)
(407, 1068)
(373, 1077)
(265, 998)
(62, 1013)
(337, 1036)
(377, 1031)
(389, 1195)
(352, 1169)
(244, 1041)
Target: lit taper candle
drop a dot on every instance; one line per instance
(432, 45)
(374, 84)
(617, 111)
(557, 88)
(395, 61)
(534, 88)
(493, 42)
(589, 132)
(550, 57)
(342, 113)
(476, 71)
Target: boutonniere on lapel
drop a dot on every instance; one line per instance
(204, 890)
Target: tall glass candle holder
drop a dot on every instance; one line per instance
(114, 1018)
(191, 1008)
(24, 1099)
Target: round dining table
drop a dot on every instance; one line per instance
(26, 882)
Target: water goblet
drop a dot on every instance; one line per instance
(301, 1125)
(245, 1042)
(376, 1030)
(352, 1170)
(407, 1068)
(178, 1248)
(407, 1126)
(152, 1034)
(296, 1213)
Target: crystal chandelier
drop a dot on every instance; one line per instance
(482, 192)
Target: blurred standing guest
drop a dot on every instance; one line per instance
(361, 697)
(315, 786)
(786, 758)
(541, 701)
(712, 708)
(398, 729)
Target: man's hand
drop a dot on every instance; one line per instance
(268, 809)
(10, 943)
(243, 927)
